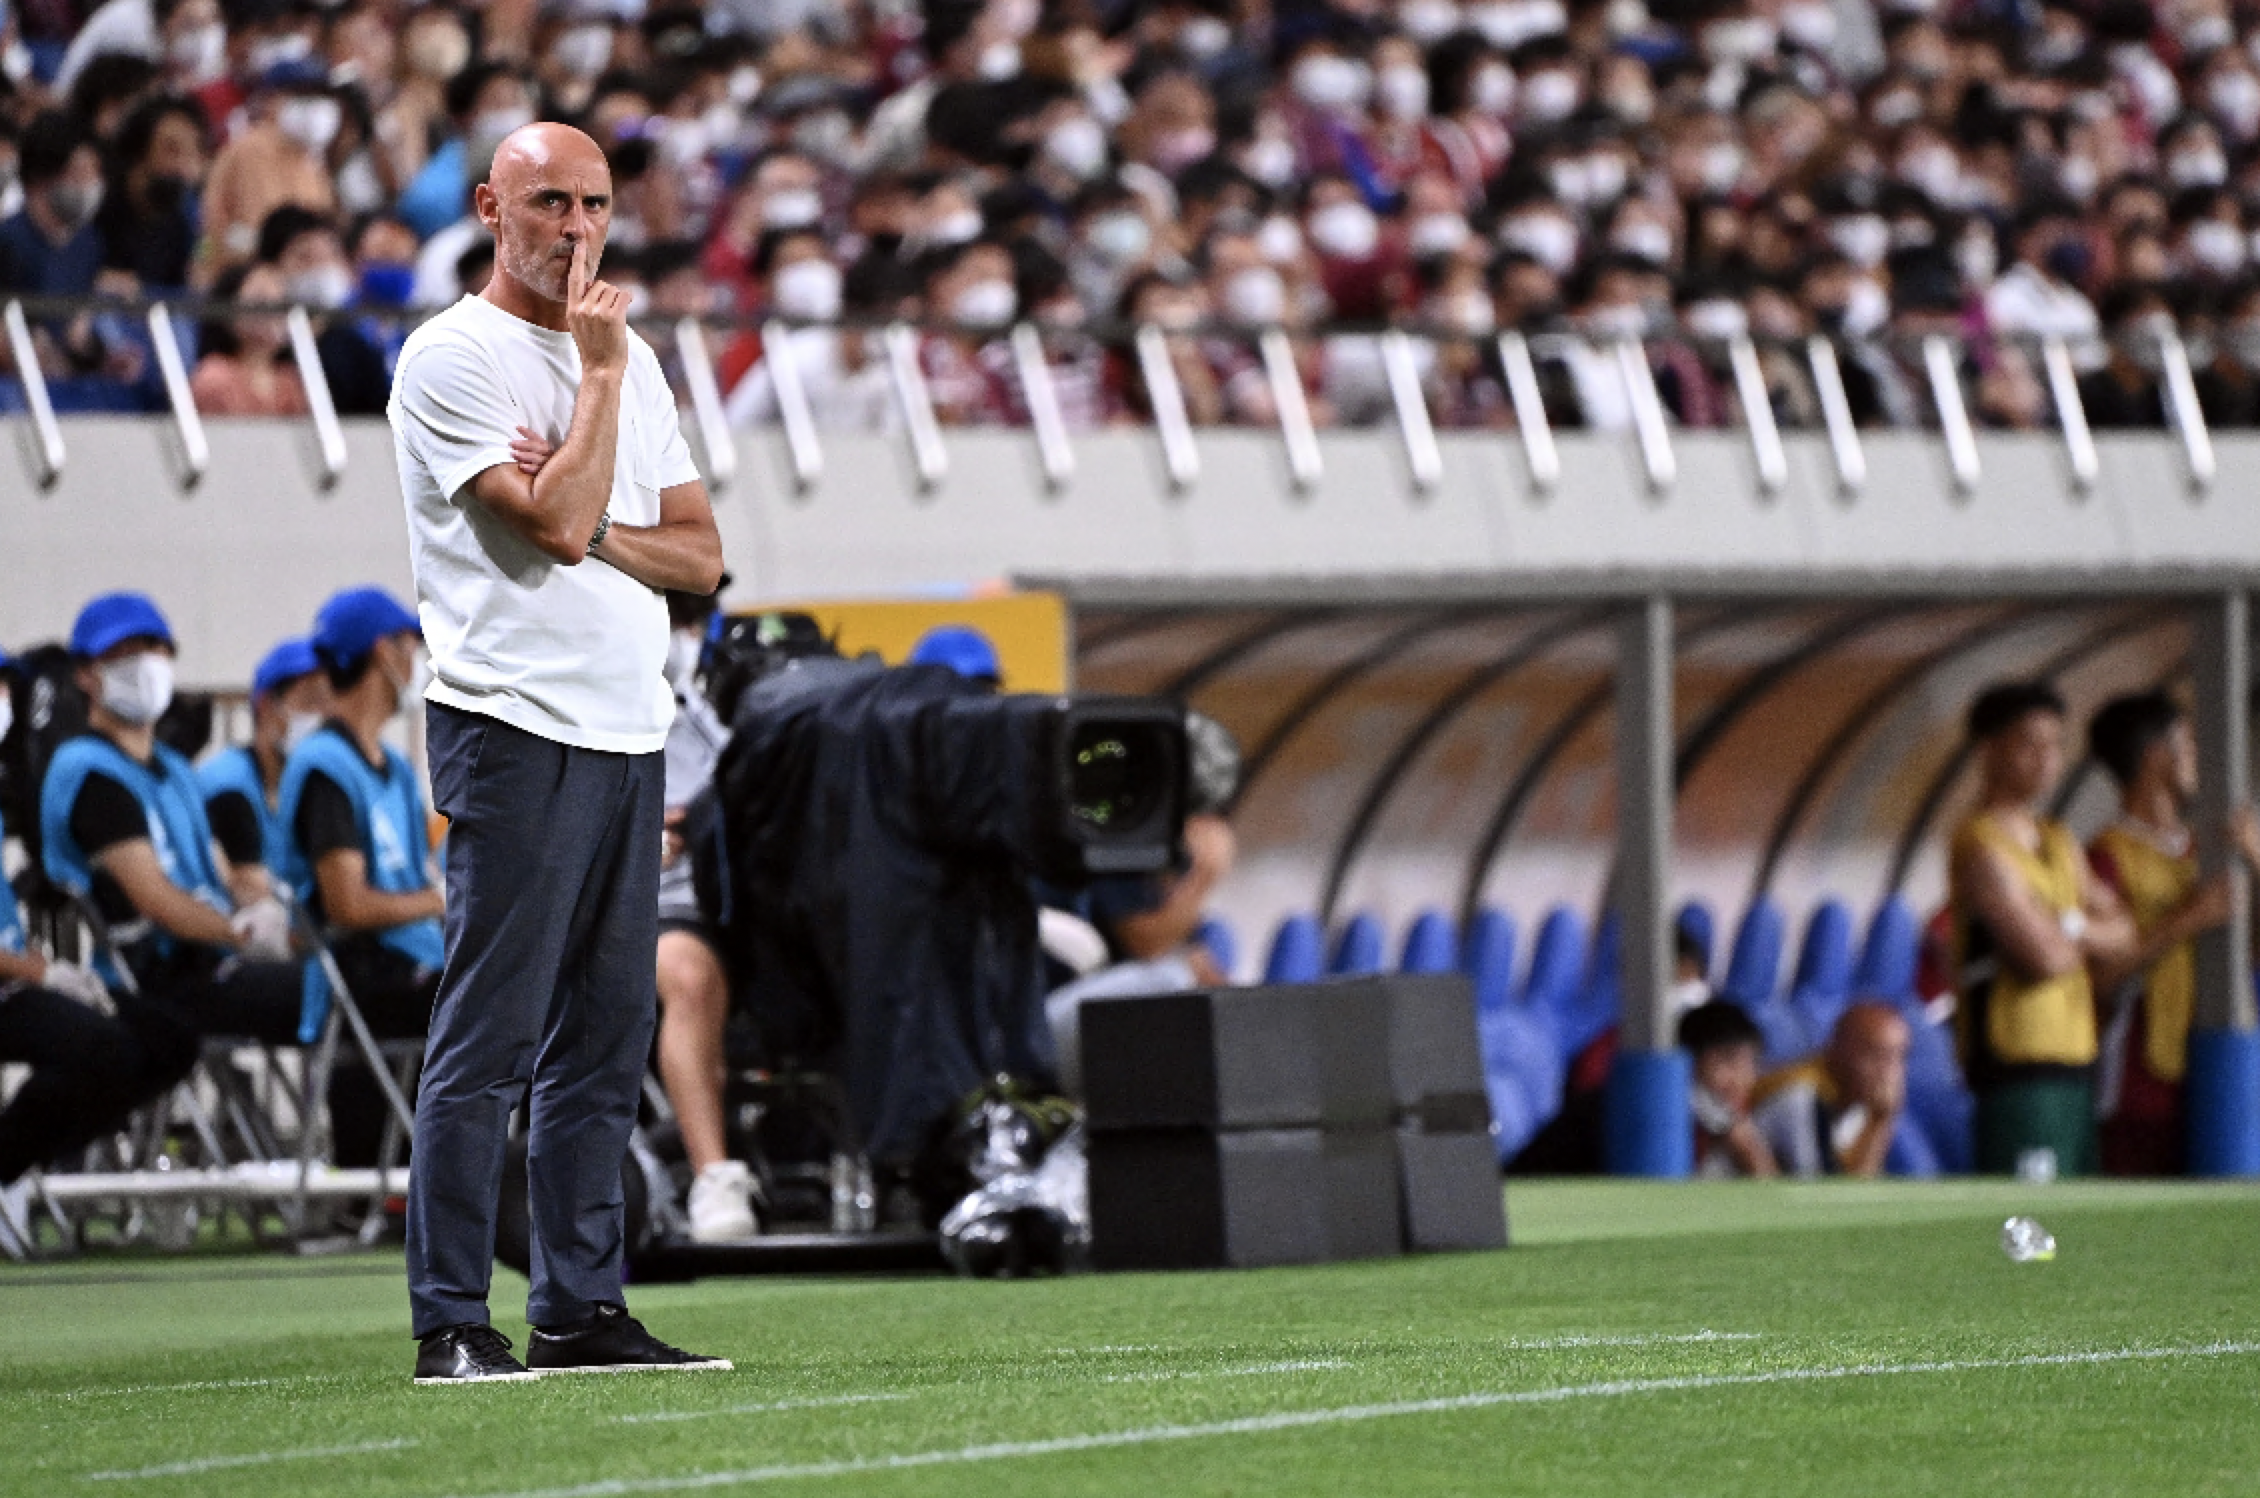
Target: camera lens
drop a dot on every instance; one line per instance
(1112, 779)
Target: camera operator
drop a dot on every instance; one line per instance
(694, 989)
(288, 698)
(90, 1064)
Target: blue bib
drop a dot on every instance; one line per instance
(11, 924)
(388, 809)
(237, 769)
(172, 805)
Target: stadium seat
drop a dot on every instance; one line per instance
(1889, 956)
(1358, 949)
(1298, 951)
(1937, 1098)
(1488, 957)
(1822, 986)
(1755, 967)
(1911, 1152)
(1696, 920)
(1222, 941)
(1431, 945)
(1594, 1000)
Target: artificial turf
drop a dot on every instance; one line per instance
(1639, 1338)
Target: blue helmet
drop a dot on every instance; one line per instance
(960, 647)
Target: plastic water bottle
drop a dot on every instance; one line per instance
(2026, 1241)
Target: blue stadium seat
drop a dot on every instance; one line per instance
(1358, 949)
(1911, 1152)
(1298, 951)
(1222, 941)
(1595, 1000)
(1696, 920)
(1890, 956)
(1938, 1100)
(1431, 945)
(1488, 957)
(1557, 963)
(1822, 986)
(1754, 970)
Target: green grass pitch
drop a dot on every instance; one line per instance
(1640, 1338)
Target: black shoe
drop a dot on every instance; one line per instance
(468, 1354)
(611, 1341)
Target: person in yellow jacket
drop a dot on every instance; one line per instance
(2029, 916)
(2149, 858)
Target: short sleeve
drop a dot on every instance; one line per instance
(671, 460)
(235, 824)
(105, 815)
(325, 821)
(453, 411)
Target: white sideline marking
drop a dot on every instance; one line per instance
(758, 1409)
(209, 1383)
(248, 1459)
(1638, 1339)
(1310, 1365)
(1350, 1414)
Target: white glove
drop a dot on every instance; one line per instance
(75, 982)
(264, 931)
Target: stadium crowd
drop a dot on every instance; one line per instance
(1678, 170)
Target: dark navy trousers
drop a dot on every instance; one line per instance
(552, 929)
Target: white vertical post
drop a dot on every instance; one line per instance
(1644, 820)
(1180, 455)
(1647, 414)
(2188, 416)
(196, 452)
(329, 437)
(1757, 414)
(1538, 450)
(1295, 428)
(1836, 412)
(2071, 415)
(1953, 416)
(792, 404)
(2222, 665)
(926, 450)
(1053, 450)
(1413, 421)
(706, 405)
(48, 446)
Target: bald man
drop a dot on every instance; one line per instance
(1835, 1114)
(546, 713)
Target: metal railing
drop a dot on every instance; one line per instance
(1933, 365)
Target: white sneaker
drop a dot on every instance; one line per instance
(721, 1204)
(16, 1208)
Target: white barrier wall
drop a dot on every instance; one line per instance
(245, 558)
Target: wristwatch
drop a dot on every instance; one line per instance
(603, 528)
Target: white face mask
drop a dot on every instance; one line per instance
(1280, 240)
(792, 208)
(1717, 320)
(138, 689)
(1345, 230)
(683, 651)
(200, 53)
(1862, 238)
(2216, 246)
(311, 121)
(7, 713)
(297, 729)
(1120, 237)
(1270, 160)
(326, 286)
(1492, 89)
(1203, 37)
(1551, 95)
(2201, 167)
(585, 51)
(1436, 234)
(1545, 238)
(1650, 242)
(1256, 298)
(1079, 146)
(1403, 88)
(999, 61)
(959, 227)
(808, 291)
(1330, 82)
(985, 304)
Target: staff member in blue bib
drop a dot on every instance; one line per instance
(243, 782)
(123, 828)
(90, 1064)
(356, 846)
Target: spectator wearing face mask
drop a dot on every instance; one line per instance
(2040, 293)
(2125, 391)
(783, 192)
(306, 249)
(246, 368)
(280, 160)
(147, 218)
(124, 829)
(1176, 307)
(174, 32)
(52, 247)
(970, 289)
(2228, 384)
(1471, 91)
(485, 102)
(242, 783)
(1345, 234)
(796, 280)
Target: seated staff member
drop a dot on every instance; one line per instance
(357, 849)
(122, 826)
(90, 1064)
(241, 783)
(2029, 918)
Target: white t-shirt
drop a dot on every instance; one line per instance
(573, 654)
